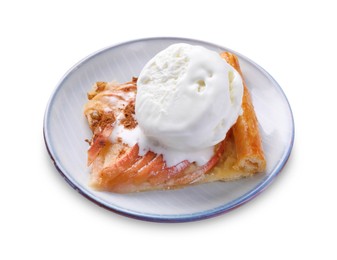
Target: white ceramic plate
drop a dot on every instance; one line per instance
(65, 130)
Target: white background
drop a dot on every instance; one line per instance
(42, 217)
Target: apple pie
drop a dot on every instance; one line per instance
(118, 167)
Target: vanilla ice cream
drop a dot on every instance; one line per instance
(187, 99)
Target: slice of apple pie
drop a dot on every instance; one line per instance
(117, 166)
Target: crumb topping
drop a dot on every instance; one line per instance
(108, 118)
(99, 120)
(129, 121)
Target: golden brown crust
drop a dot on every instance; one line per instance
(249, 150)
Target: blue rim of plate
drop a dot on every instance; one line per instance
(179, 217)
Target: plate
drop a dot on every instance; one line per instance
(65, 131)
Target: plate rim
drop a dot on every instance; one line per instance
(164, 218)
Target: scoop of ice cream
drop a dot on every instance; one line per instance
(188, 97)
